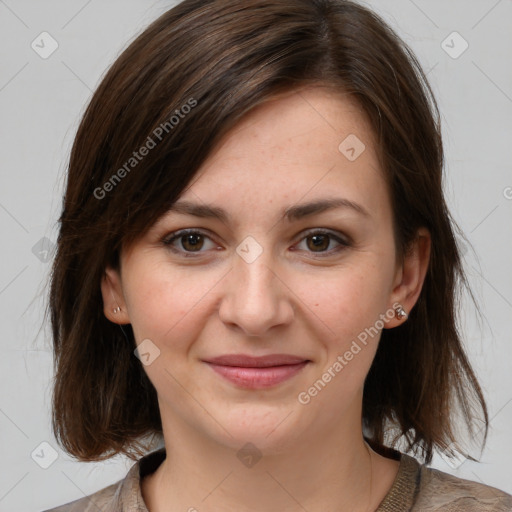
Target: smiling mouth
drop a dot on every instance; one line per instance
(248, 361)
(258, 377)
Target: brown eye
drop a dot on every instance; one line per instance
(319, 242)
(192, 242)
(188, 242)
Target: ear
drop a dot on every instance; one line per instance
(410, 276)
(114, 306)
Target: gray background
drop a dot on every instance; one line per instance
(41, 100)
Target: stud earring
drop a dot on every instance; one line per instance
(400, 313)
(116, 310)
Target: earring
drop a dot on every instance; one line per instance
(116, 310)
(400, 313)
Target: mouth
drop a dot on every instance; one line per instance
(257, 372)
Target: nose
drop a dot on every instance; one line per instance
(256, 298)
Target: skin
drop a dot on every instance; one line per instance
(295, 298)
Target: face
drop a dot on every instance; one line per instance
(268, 267)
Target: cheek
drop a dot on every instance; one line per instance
(347, 305)
(163, 300)
(345, 300)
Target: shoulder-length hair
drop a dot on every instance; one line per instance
(177, 89)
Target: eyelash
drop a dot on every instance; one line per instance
(176, 235)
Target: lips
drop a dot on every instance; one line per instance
(246, 361)
(261, 372)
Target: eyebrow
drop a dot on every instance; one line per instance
(293, 213)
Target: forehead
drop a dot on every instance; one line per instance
(309, 142)
(314, 118)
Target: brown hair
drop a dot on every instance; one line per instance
(221, 58)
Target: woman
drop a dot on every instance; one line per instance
(256, 262)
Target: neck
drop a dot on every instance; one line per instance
(331, 470)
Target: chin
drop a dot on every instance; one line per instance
(269, 429)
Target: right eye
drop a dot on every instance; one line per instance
(190, 241)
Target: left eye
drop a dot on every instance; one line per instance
(192, 241)
(321, 240)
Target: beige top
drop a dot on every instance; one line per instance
(416, 488)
